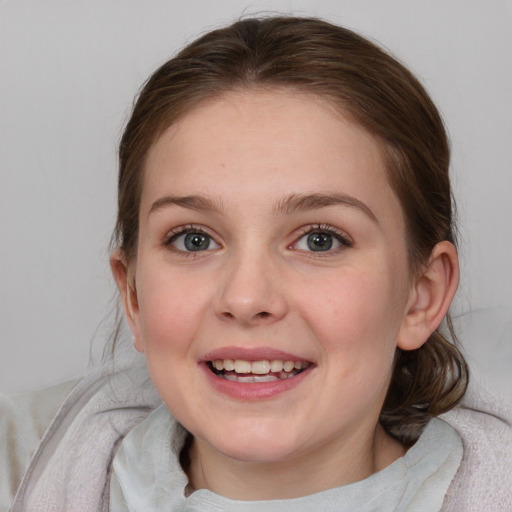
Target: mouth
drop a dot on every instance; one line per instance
(253, 372)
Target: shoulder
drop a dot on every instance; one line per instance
(484, 479)
(23, 419)
(71, 465)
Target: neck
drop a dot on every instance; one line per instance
(333, 465)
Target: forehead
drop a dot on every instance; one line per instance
(260, 144)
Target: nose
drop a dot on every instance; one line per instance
(250, 292)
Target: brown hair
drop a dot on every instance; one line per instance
(376, 91)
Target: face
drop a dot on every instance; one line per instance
(271, 281)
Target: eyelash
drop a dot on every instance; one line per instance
(337, 234)
(326, 229)
(175, 233)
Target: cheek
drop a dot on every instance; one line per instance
(170, 310)
(356, 319)
(356, 326)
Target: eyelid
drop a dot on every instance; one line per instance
(341, 236)
(173, 234)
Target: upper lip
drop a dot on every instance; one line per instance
(251, 354)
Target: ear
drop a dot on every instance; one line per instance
(430, 297)
(125, 280)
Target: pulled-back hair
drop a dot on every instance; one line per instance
(366, 85)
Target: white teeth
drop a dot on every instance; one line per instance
(260, 367)
(263, 367)
(242, 366)
(288, 366)
(276, 366)
(250, 378)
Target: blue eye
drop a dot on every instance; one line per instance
(192, 241)
(322, 240)
(319, 241)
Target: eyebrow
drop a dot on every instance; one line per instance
(290, 204)
(304, 202)
(198, 203)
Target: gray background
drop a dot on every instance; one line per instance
(68, 73)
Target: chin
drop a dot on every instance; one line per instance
(257, 453)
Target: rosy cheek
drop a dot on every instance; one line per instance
(170, 310)
(350, 317)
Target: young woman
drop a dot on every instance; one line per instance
(285, 255)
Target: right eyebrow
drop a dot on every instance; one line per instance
(198, 203)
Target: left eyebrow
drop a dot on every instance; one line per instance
(303, 202)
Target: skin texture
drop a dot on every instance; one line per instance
(259, 285)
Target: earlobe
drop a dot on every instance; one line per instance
(430, 297)
(125, 280)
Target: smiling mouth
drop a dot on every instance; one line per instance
(240, 370)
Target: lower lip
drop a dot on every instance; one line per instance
(253, 390)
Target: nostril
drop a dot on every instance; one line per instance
(262, 315)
